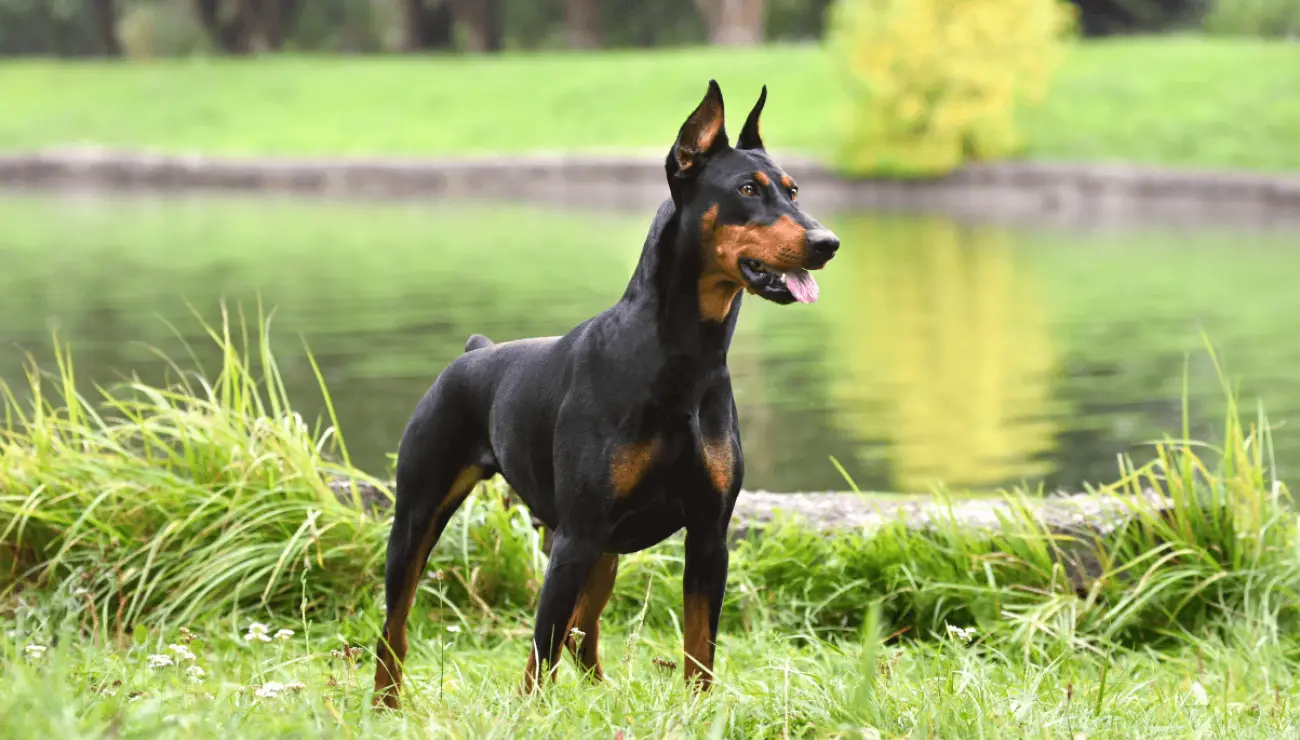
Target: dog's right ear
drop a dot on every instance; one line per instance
(702, 132)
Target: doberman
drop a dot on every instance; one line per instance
(623, 431)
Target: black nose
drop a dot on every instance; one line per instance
(823, 243)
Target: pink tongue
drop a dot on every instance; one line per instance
(801, 286)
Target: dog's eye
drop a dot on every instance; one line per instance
(794, 192)
(748, 189)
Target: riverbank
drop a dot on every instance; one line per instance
(1085, 194)
(1181, 102)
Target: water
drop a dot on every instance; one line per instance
(975, 354)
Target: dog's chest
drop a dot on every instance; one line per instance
(670, 480)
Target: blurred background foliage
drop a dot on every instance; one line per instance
(926, 85)
(145, 28)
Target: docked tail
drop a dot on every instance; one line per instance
(477, 341)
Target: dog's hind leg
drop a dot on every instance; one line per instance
(436, 469)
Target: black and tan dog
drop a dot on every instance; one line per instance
(623, 431)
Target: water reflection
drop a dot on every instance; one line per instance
(951, 359)
(972, 354)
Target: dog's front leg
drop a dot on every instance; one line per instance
(572, 560)
(703, 586)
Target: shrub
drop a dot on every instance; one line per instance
(935, 83)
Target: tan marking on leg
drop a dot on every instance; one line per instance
(392, 647)
(719, 461)
(629, 465)
(697, 641)
(586, 615)
(532, 672)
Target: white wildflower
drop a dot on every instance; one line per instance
(453, 628)
(195, 673)
(295, 686)
(965, 634)
(257, 628)
(35, 651)
(283, 634)
(1199, 697)
(182, 652)
(160, 661)
(269, 689)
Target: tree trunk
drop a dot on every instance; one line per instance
(479, 19)
(105, 12)
(412, 25)
(233, 36)
(582, 18)
(254, 25)
(438, 26)
(426, 27)
(733, 22)
(275, 19)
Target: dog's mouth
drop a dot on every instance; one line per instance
(778, 286)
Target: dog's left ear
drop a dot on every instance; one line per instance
(749, 138)
(701, 133)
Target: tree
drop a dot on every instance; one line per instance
(582, 19)
(244, 26)
(105, 13)
(480, 22)
(426, 25)
(733, 22)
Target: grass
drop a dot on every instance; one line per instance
(202, 504)
(770, 687)
(1181, 101)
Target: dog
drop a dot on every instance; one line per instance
(623, 431)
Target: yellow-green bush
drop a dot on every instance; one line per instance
(932, 84)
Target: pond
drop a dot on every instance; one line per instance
(979, 355)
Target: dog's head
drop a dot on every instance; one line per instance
(753, 234)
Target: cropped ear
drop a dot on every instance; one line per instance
(749, 138)
(702, 132)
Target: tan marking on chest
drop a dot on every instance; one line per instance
(629, 464)
(719, 461)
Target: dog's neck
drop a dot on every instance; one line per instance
(665, 289)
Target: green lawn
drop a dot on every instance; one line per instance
(1182, 101)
